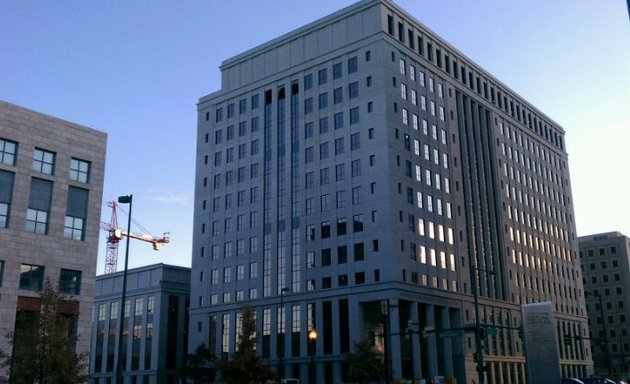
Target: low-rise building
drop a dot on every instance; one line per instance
(605, 259)
(155, 327)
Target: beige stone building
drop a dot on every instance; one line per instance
(51, 186)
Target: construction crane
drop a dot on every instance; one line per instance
(115, 234)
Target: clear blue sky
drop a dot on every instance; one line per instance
(135, 70)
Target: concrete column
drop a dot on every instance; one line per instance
(416, 339)
(395, 340)
(431, 341)
(355, 314)
(447, 343)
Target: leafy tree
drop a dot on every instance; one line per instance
(43, 346)
(246, 366)
(200, 365)
(366, 365)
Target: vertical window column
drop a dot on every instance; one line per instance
(39, 206)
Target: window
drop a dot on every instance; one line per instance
(39, 206)
(70, 282)
(342, 254)
(323, 151)
(338, 95)
(218, 115)
(322, 76)
(359, 252)
(43, 161)
(337, 70)
(31, 277)
(354, 115)
(341, 226)
(353, 90)
(323, 125)
(308, 130)
(324, 202)
(341, 199)
(324, 176)
(254, 124)
(76, 212)
(340, 172)
(323, 100)
(308, 105)
(326, 257)
(8, 151)
(339, 146)
(308, 155)
(357, 196)
(338, 120)
(255, 101)
(309, 180)
(308, 81)
(325, 229)
(79, 170)
(356, 167)
(355, 141)
(6, 191)
(353, 65)
(357, 223)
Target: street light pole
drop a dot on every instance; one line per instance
(312, 339)
(281, 319)
(120, 363)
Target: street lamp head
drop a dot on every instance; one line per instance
(312, 335)
(125, 199)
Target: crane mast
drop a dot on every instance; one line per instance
(115, 234)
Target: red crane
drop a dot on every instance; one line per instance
(115, 234)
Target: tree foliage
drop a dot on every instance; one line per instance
(200, 367)
(246, 366)
(43, 345)
(366, 365)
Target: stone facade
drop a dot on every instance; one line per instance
(361, 177)
(35, 232)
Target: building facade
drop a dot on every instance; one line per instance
(361, 177)
(605, 259)
(155, 327)
(51, 186)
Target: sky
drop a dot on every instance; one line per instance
(136, 69)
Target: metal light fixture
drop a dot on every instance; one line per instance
(120, 363)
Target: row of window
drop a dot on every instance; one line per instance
(463, 72)
(32, 278)
(138, 308)
(44, 161)
(39, 206)
(601, 251)
(322, 78)
(337, 98)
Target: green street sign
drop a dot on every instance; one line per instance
(491, 331)
(449, 334)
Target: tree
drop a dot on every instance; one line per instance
(365, 365)
(246, 366)
(43, 345)
(200, 366)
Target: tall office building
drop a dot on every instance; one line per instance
(51, 186)
(605, 259)
(361, 177)
(155, 328)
